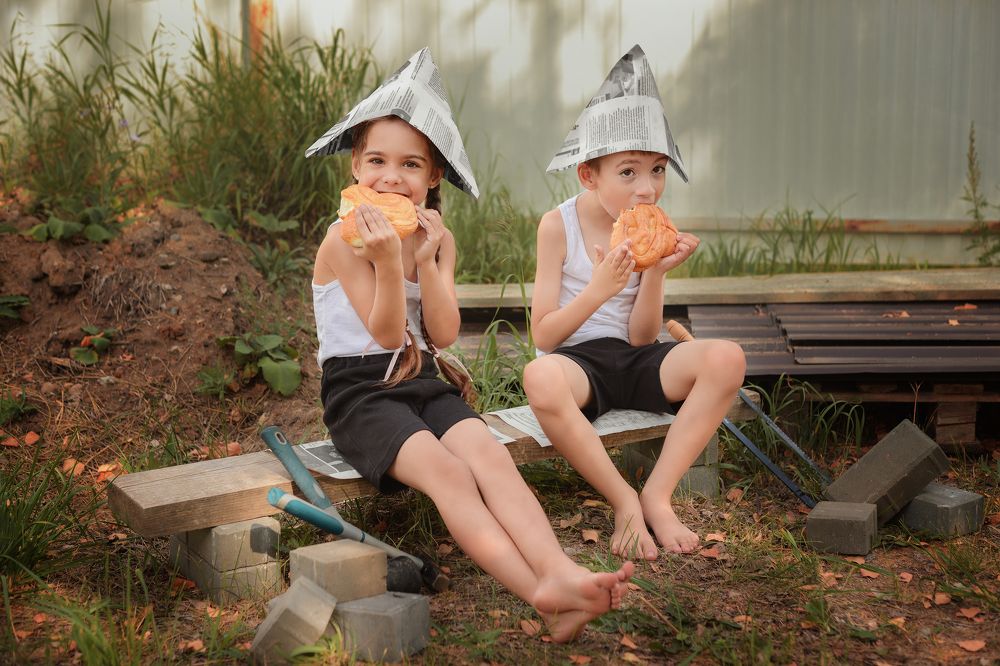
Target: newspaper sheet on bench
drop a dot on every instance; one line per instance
(617, 420)
(323, 457)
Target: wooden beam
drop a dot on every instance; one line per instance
(202, 494)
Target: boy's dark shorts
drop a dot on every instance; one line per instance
(621, 376)
(368, 423)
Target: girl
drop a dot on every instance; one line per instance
(380, 311)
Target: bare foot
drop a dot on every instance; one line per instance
(620, 589)
(566, 626)
(674, 536)
(631, 539)
(575, 588)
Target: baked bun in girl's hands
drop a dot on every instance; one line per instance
(398, 210)
(652, 233)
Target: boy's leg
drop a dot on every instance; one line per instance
(705, 374)
(557, 388)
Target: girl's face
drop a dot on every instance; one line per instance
(623, 180)
(395, 158)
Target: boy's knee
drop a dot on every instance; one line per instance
(538, 378)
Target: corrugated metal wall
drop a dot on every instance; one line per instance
(861, 104)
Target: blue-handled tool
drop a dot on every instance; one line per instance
(321, 512)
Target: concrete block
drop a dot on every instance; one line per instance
(300, 616)
(254, 582)
(638, 459)
(945, 511)
(892, 473)
(849, 528)
(387, 627)
(344, 568)
(237, 545)
(700, 480)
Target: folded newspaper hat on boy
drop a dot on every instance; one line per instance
(415, 94)
(625, 114)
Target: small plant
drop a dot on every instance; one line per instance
(95, 223)
(97, 341)
(12, 408)
(278, 263)
(9, 306)
(267, 355)
(215, 381)
(986, 235)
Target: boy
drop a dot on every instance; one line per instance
(595, 322)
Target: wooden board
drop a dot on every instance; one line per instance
(215, 492)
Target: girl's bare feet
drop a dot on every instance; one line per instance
(631, 539)
(598, 592)
(673, 535)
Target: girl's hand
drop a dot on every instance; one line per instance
(611, 272)
(429, 236)
(686, 245)
(380, 242)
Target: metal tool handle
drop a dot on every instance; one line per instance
(277, 442)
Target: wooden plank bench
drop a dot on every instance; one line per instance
(197, 495)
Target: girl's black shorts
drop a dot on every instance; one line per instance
(368, 423)
(621, 376)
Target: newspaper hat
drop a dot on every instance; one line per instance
(414, 92)
(625, 114)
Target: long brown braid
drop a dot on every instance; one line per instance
(412, 361)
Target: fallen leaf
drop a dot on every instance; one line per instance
(233, 449)
(743, 619)
(905, 576)
(941, 598)
(734, 495)
(631, 658)
(21, 634)
(898, 621)
(897, 314)
(589, 536)
(178, 584)
(953, 322)
(966, 306)
(196, 645)
(31, 438)
(992, 519)
(212, 611)
(11, 441)
(926, 603)
(972, 646)
(570, 522)
(806, 624)
(808, 588)
(579, 659)
(715, 536)
(632, 586)
(969, 612)
(445, 549)
(40, 617)
(531, 627)
(713, 553)
(593, 504)
(865, 573)
(72, 466)
(117, 536)
(629, 643)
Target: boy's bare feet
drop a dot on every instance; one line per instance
(673, 535)
(631, 539)
(568, 603)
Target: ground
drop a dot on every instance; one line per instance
(172, 284)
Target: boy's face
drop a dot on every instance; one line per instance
(623, 180)
(395, 158)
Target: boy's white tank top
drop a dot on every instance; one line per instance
(340, 330)
(611, 319)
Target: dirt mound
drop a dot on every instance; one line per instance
(170, 285)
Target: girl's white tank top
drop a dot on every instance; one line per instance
(611, 319)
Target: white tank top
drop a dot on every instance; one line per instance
(340, 330)
(611, 319)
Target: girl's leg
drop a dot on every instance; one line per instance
(557, 388)
(706, 374)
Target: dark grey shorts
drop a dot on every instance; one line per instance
(368, 423)
(621, 376)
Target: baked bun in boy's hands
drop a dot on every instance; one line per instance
(398, 210)
(652, 233)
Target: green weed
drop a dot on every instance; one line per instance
(985, 235)
(215, 381)
(10, 304)
(12, 408)
(96, 342)
(267, 355)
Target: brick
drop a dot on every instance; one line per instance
(849, 528)
(344, 568)
(300, 616)
(254, 582)
(236, 545)
(945, 511)
(387, 627)
(638, 459)
(892, 473)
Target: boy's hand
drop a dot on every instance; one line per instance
(611, 272)
(429, 236)
(686, 245)
(380, 242)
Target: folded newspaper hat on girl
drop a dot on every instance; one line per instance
(415, 94)
(625, 114)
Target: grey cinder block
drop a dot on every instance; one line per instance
(300, 616)
(699, 480)
(236, 545)
(254, 582)
(344, 568)
(386, 627)
(638, 459)
(892, 473)
(945, 511)
(849, 528)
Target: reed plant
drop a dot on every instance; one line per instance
(985, 236)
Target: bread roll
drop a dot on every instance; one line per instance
(652, 233)
(399, 210)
